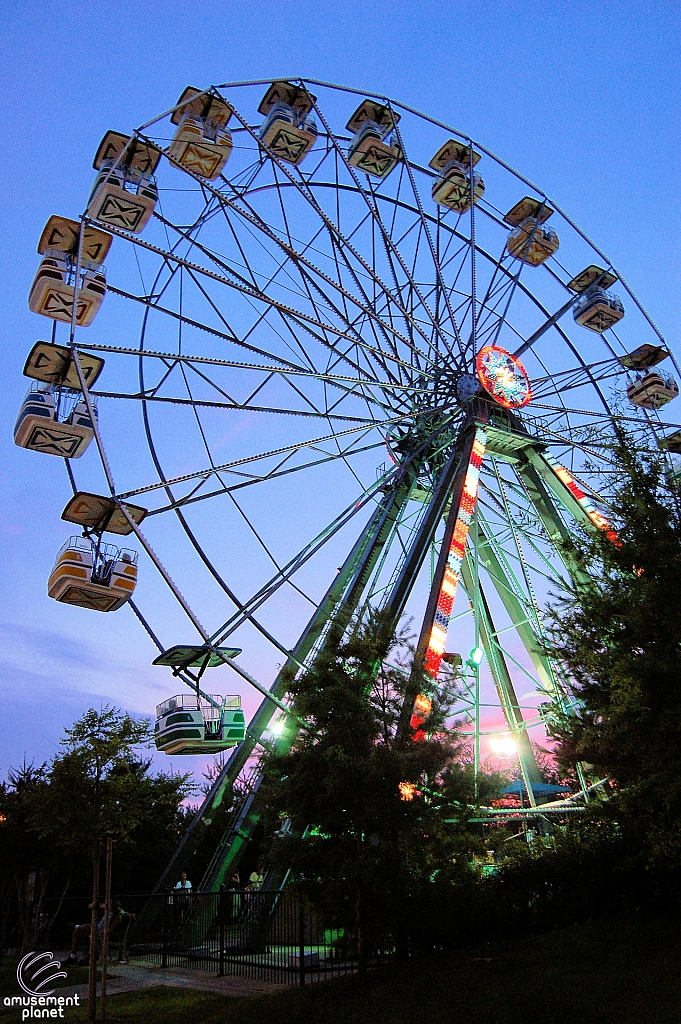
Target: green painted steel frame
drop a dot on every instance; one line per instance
(546, 493)
(338, 605)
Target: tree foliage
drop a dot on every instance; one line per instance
(366, 806)
(53, 819)
(96, 782)
(621, 642)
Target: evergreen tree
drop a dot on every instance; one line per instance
(365, 806)
(621, 642)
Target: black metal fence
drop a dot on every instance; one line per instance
(54, 921)
(262, 934)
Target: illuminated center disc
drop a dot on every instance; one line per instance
(503, 377)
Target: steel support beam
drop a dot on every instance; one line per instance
(546, 326)
(559, 490)
(451, 483)
(502, 679)
(517, 613)
(558, 533)
(339, 604)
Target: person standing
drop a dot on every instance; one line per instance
(183, 892)
(234, 888)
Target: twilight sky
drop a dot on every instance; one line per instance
(582, 97)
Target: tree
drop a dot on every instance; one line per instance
(97, 792)
(27, 866)
(94, 782)
(364, 805)
(100, 786)
(50, 816)
(620, 639)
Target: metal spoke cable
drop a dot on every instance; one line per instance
(209, 471)
(250, 481)
(298, 256)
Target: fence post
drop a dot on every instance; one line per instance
(301, 945)
(222, 908)
(107, 925)
(164, 929)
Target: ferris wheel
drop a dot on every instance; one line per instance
(329, 367)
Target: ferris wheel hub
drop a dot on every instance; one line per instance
(467, 387)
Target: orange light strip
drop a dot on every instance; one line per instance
(438, 635)
(566, 477)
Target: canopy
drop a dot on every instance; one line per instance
(195, 657)
(538, 788)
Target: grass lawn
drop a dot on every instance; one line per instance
(622, 970)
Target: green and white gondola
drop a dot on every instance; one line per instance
(187, 724)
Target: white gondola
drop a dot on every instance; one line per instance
(201, 146)
(202, 142)
(124, 193)
(188, 724)
(54, 421)
(453, 187)
(652, 390)
(53, 289)
(93, 575)
(531, 241)
(288, 131)
(371, 150)
(598, 309)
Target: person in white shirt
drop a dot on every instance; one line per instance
(184, 882)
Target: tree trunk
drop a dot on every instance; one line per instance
(25, 894)
(51, 920)
(92, 973)
(105, 932)
(362, 952)
(43, 879)
(21, 887)
(6, 916)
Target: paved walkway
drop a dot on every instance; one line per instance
(139, 975)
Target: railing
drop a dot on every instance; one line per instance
(190, 702)
(240, 801)
(262, 934)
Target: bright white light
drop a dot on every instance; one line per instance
(277, 727)
(477, 654)
(505, 746)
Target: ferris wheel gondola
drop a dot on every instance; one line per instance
(124, 193)
(453, 188)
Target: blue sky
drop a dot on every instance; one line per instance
(582, 97)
